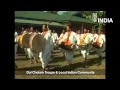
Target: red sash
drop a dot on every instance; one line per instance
(97, 41)
(67, 41)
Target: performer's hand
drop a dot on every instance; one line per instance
(100, 45)
(72, 46)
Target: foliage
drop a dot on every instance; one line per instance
(88, 15)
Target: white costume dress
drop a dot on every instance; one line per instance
(46, 53)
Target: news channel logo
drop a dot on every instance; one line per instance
(101, 20)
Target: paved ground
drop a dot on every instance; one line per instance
(58, 63)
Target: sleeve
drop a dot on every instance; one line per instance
(74, 38)
(81, 36)
(95, 38)
(91, 37)
(64, 37)
(53, 39)
(57, 36)
(104, 38)
(78, 40)
(60, 36)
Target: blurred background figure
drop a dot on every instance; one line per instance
(16, 45)
(55, 38)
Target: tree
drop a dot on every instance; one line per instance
(89, 15)
(101, 14)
